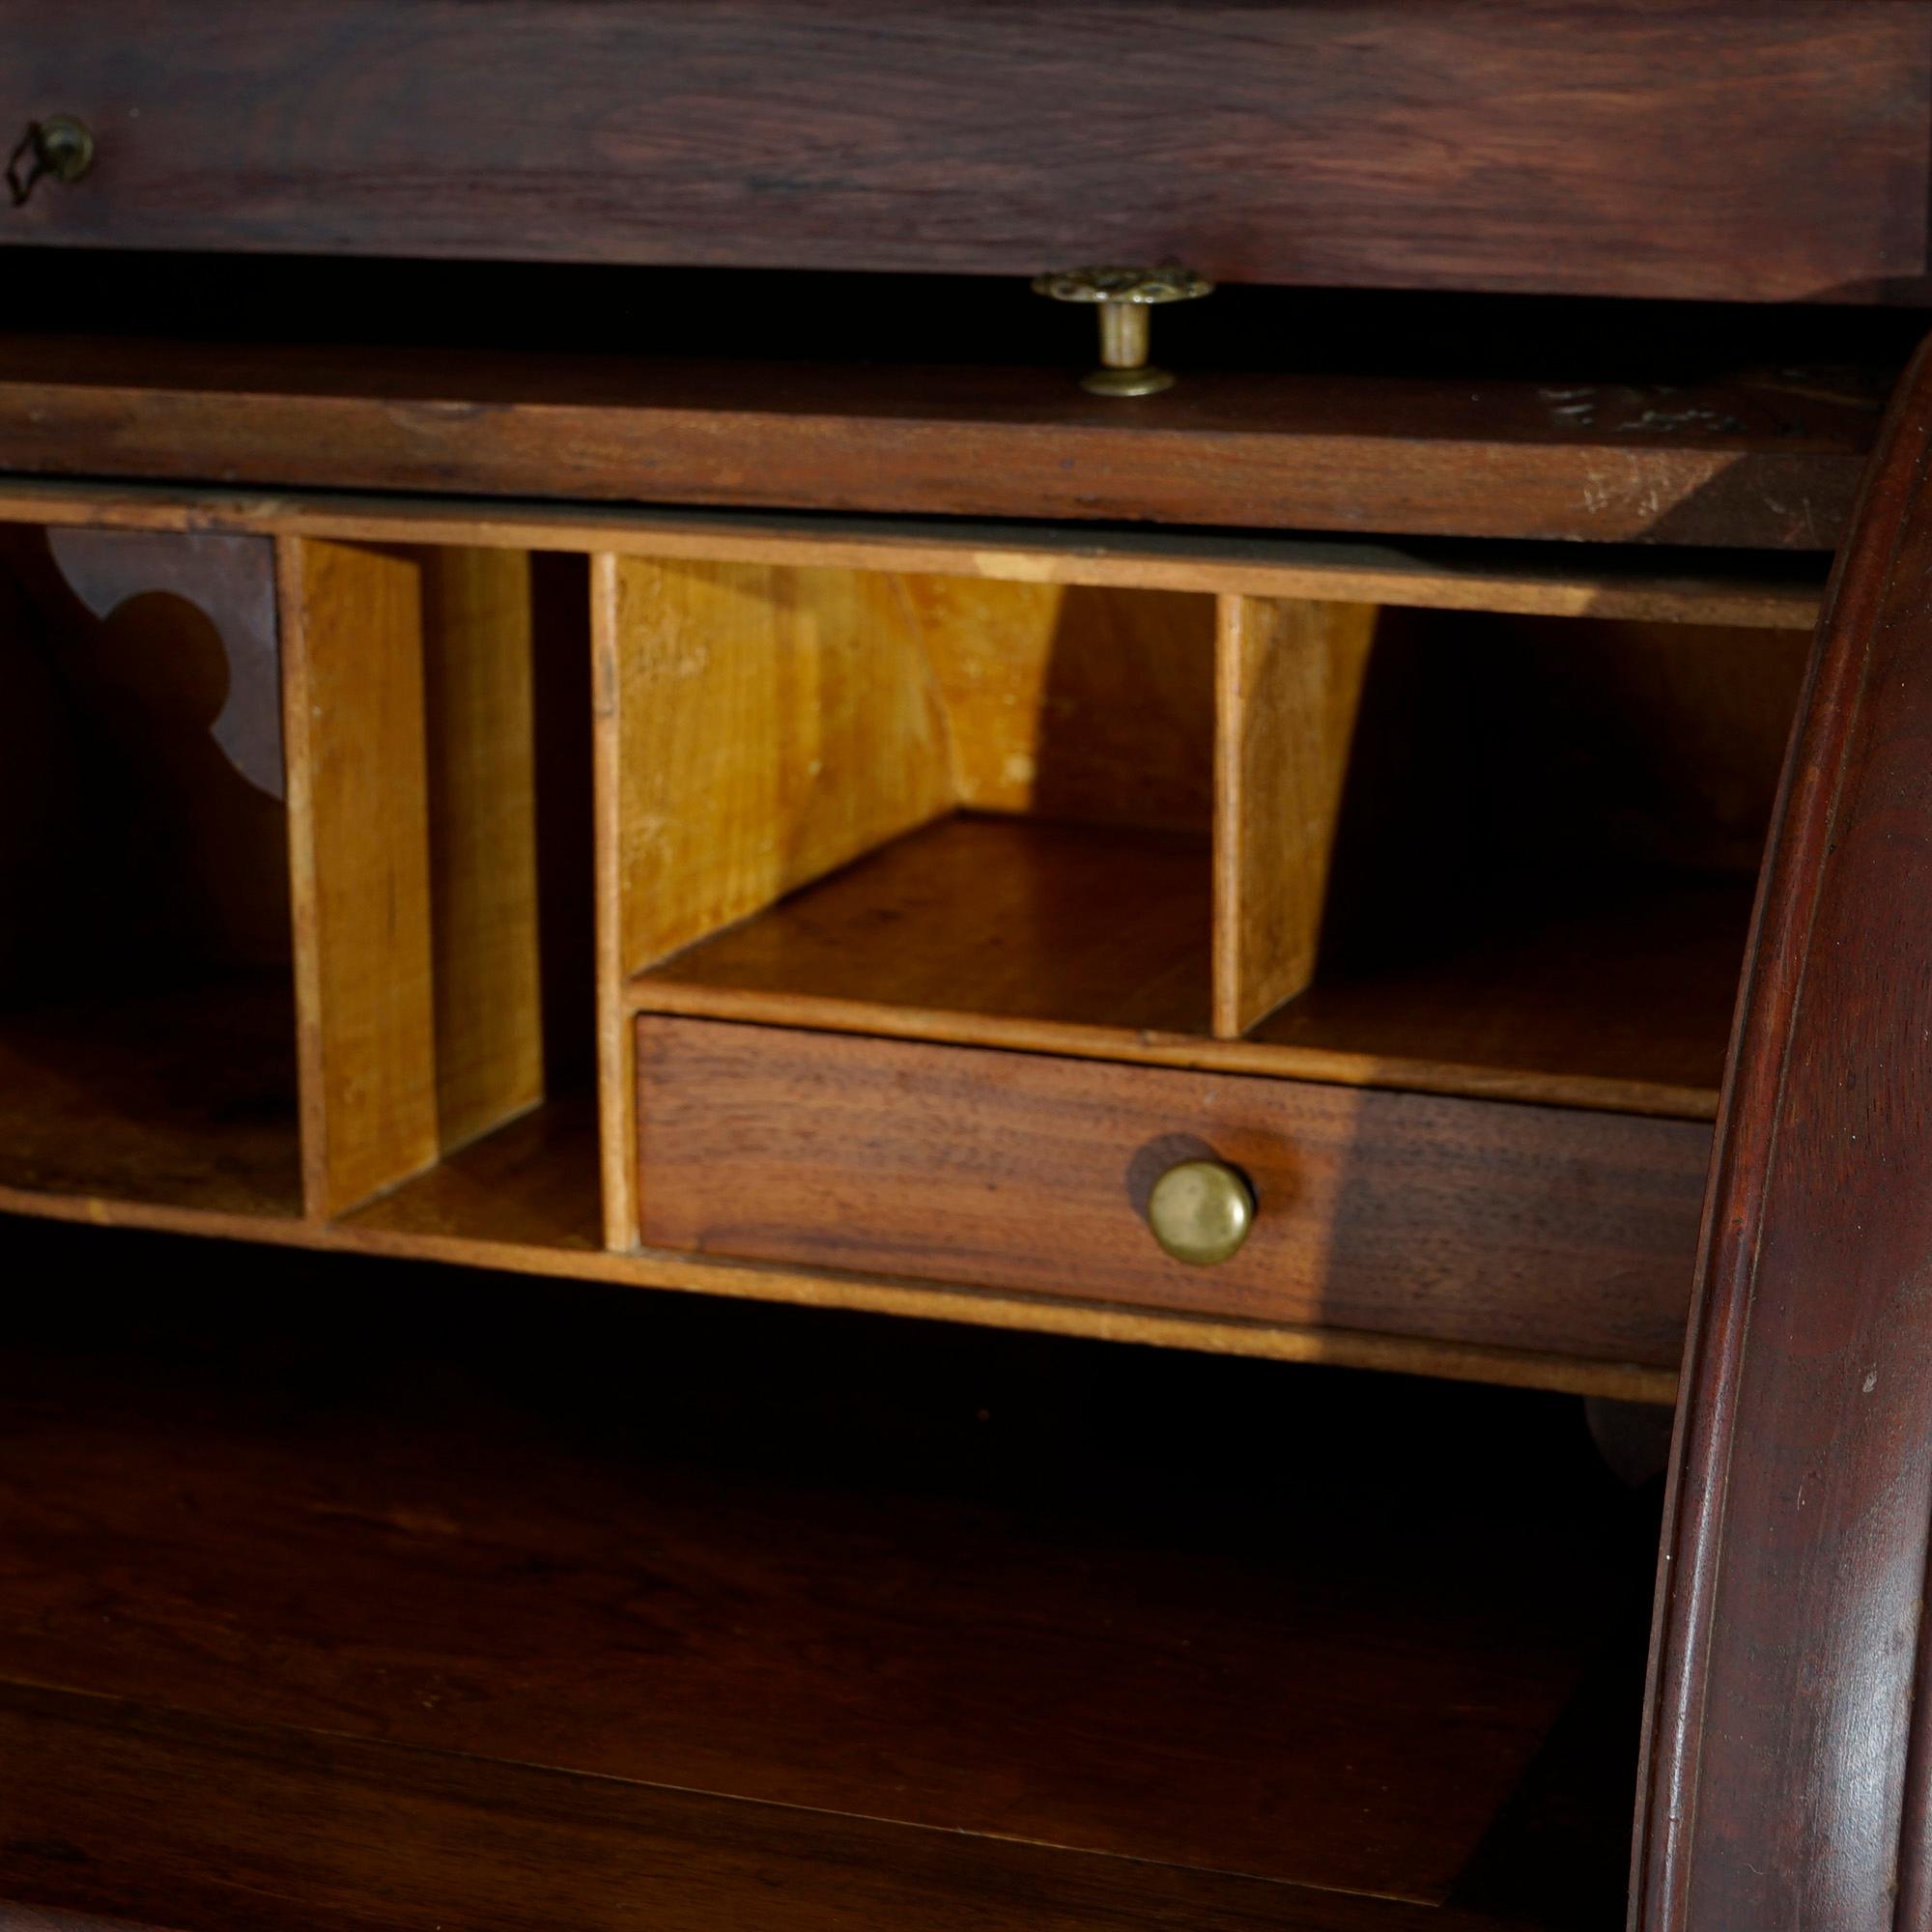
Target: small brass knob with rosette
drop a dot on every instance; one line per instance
(1124, 297)
(1200, 1211)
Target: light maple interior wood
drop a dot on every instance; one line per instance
(776, 724)
(147, 1011)
(1147, 818)
(437, 730)
(1289, 673)
(769, 724)
(1503, 855)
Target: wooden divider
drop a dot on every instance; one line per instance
(617, 1102)
(1290, 678)
(412, 766)
(775, 724)
(757, 727)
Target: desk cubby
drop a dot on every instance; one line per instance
(986, 800)
(1290, 864)
(1485, 853)
(1433, 869)
(440, 714)
(147, 993)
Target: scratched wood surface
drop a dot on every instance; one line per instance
(1770, 462)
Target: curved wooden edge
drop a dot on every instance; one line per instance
(1783, 1746)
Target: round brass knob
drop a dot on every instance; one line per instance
(62, 147)
(1125, 296)
(1200, 1211)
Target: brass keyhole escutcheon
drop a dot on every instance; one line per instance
(61, 148)
(1200, 1211)
(1124, 298)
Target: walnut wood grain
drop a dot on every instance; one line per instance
(1761, 153)
(27, 1917)
(1765, 463)
(1548, 1229)
(870, 1576)
(975, 924)
(1615, 992)
(136, 1820)
(1788, 1731)
(1619, 995)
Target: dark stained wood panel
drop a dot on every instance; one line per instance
(140, 739)
(1664, 147)
(230, 580)
(1790, 1732)
(881, 1569)
(184, 1096)
(1761, 463)
(1635, 985)
(1542, 1228)
(188, 1825)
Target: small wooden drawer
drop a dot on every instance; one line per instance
(1548, 1229)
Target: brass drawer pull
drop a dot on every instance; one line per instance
(1124, 297)
(60, 146)
(1200, 1211)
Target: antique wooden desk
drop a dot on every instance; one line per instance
(588, 699)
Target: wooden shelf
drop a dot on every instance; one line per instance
(979, 921)
(1750, 463)
(897, 1582)
(1770, 590)
(532, 1184)
(182, 1096)
(1611, 991)
(1095, 940)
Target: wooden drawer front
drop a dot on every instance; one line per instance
(1538, 1228)
(1668, 148)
